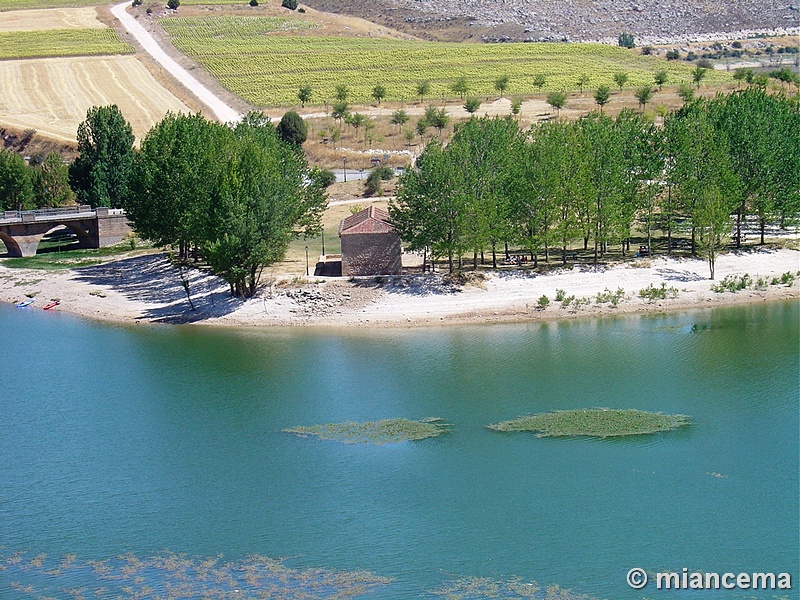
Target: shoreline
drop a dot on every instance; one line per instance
(146, 289)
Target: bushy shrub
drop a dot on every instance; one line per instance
(373, 185)
(732, 283)
(173, 4)
(326, 177)
(560, 295)
(652, 293)
(290, 4)
(543, 302)
(253, 2)
(625, 40)
(292, 129)
(607, 296)
(786, 279)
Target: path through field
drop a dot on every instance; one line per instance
(222, 111)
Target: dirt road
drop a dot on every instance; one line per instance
(221, 110)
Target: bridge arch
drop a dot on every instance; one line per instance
(22, 231)
(11, 244)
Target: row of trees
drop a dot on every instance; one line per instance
(462, 89)
(713, 163)
(41, 183)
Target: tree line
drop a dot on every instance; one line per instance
(712, 164)
(233, 196)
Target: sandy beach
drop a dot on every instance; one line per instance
(148, 289)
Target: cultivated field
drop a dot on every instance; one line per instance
(268, 69)
(23, 4)
(51, 18)
(61, 42)
(52, 95)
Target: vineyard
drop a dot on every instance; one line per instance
(268, 70)
(61, 42)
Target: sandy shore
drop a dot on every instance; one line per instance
(147, 289)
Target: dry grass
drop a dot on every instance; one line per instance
(51, 18)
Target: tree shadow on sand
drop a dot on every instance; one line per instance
(675, 275)
(154, 280)
(412, 285)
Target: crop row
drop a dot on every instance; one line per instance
(198, 30)
(61, 42)
(268, 70)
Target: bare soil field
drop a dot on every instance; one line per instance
(650, 21)
(51, 18)
(52, 95)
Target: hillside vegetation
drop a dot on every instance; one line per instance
(268, 69)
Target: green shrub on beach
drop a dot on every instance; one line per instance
(594, 422)
(786, 279)
(607, 296)
(386, 431)
(652, 293)
(733, 283)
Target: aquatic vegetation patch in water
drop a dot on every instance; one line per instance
(386, 431)
(593, 422)
(469, 588)
(173, 576)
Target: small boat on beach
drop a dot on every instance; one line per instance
(52, 304)
(25, 303)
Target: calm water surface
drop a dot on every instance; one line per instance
(145, 439)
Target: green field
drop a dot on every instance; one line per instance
(267, 70)
(61, 42)
(210, 2)
(26, 4)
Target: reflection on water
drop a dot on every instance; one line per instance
(123, 442)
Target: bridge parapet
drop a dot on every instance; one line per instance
(50, 214)
(21, 231)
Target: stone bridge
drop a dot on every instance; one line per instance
(22, 230)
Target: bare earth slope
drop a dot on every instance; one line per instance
(650, 21)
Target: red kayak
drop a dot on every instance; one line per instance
(52, 304)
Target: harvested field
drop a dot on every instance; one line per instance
(61, 42)
(51, 18)
(52, 95)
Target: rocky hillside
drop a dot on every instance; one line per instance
(650, 21)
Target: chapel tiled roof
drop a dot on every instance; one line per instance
(369, 220)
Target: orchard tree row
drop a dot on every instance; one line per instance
(712, 164)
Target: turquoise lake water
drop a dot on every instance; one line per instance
(142, 440)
